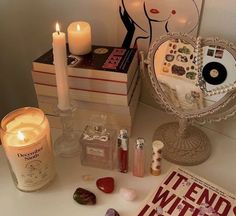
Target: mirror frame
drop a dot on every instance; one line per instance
(158, 90)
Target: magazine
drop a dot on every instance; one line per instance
(183, 193)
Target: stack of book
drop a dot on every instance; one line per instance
(106, 81)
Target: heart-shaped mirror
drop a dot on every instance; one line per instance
(193, 78)
(179, 64)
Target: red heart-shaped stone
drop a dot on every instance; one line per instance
(234, 210)
(106, 184)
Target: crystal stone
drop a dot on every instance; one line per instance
(84, 197)
(106, 184)
(112, 212)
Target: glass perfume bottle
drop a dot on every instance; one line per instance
(123, 142)
(139, 158)
(98, 144)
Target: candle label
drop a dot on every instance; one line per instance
(32, 166)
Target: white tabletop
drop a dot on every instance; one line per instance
(57, 198)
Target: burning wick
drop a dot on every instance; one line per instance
(21, 136)
(57, 28)
(78, 27)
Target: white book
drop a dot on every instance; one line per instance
(86, 84)
(183, 193)
(117, 116)
(89, 96)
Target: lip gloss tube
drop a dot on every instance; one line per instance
(157, 147)
(123, 143)
(139, 158)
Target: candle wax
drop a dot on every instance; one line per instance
(60, 62)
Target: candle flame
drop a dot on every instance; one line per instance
(21, 136)
(57, 27)
(78, 27)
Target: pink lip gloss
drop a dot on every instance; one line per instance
(123, 142)
(139, 158)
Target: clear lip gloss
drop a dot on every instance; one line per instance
(139, 158)
(123, 142)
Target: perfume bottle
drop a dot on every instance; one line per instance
(98, 144)
(139, 158)
(123, 142)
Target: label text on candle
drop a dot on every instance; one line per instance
(32, 155)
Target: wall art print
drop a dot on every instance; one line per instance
(147, 20)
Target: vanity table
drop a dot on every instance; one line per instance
(57, 198)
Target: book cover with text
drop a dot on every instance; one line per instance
(183, 193)
(104, 58)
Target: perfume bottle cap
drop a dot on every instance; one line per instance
(98, 123)
(157, 145)
(140, 143)
(123, 139)
(123, 133)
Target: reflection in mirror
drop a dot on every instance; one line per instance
(176, 70)
(218, 71)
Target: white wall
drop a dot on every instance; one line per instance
(25, 33)
(219, 19)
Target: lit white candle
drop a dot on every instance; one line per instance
(79, 38)
(60, 62)
(25, 136)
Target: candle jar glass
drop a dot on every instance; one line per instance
(25, 135)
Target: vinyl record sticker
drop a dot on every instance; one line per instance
(214, 73)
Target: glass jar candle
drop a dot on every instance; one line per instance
(25, 135)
